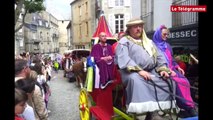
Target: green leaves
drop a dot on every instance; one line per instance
(34, 6)
(30, 6)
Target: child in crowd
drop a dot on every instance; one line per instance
(20, 103)
(28, 86)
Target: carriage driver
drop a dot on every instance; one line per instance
(141, 66)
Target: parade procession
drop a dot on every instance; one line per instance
(108, 60)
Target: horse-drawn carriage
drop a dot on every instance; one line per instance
(97, 103)
(74, 58)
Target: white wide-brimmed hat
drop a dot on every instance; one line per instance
(134, 21)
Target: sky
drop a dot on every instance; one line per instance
(60, 9)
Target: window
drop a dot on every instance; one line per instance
(87, 29)
(34, 35)
(41, 35)
(86, 5)
(40, 22)
(79, 10)
(21, 43)
(46, 24)
(35, 47)
(119, 23)
(119, 2)
(47, 36)
(33, 26)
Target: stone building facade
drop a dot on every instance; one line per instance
(118, 13)
(63, 38)
(83, 22)
(70, 35)
(19, 37)
(41, 33)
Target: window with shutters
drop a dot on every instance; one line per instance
(119, 2)
(119, 23)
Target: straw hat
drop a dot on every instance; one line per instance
(134, 21)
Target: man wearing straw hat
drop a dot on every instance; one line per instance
(141, 66)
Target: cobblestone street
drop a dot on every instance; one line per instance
(63, 102)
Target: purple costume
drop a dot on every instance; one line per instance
(183, 86)
(106, 68)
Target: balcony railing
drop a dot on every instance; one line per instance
(184, 18)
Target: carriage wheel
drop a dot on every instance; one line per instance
(84, 105)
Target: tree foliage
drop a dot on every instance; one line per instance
(30, 6)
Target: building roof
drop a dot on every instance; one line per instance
(36, 18)
(31, 26)
(72, 2)
(69, 25)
